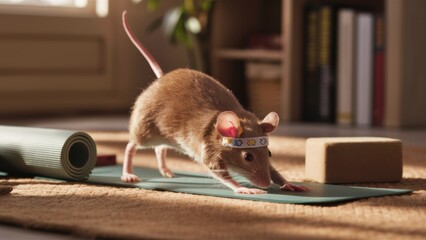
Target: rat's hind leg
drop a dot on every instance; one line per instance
(128, 175)
(160, 153)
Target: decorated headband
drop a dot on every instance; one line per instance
(245, 142)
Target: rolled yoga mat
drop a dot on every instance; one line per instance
(52, 153)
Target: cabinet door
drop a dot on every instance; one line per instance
(59, 59)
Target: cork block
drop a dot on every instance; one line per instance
(353, 159)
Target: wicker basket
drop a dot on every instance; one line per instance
(264, 87)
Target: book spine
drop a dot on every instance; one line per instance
(364, 67)
(345, 66)
(326, 67)
(379, 78)
(311, 83)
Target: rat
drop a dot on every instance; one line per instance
(193, 113)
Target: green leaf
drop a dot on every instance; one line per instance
(206, 5)
(180, 33)
(188, 6)
(171, 19)
(152, 5)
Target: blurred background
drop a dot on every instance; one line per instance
(72, 57)
(339, 63)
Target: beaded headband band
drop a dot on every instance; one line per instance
(245, 142)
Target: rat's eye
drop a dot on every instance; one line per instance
(248, 156)
(270, 154)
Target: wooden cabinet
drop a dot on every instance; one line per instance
(405, 51)
(58, 62)
(69, 62)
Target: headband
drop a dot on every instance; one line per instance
(245, 142)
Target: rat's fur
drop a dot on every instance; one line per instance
(190, 111)
(180, 110)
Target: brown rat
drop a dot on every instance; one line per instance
(193, 113)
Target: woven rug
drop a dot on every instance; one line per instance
(130, 213)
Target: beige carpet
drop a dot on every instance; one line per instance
(127, 213)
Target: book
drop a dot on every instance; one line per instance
(345, 66)
(379, 72)
(364, 69)
(327, 64)
(310, 94)
(319, 65)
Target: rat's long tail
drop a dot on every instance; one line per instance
(151, 60)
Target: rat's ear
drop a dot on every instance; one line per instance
(270, 122)
(228, 124)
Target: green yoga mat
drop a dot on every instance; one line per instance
(71, 155)
(52, 153)
(203, 185)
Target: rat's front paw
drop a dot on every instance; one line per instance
(128, 177)
(293, 188)
(245, 190)
(167, 173)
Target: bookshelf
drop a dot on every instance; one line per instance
(250, 54)
(405, 54)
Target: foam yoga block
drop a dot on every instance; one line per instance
(353, 159)
(46, 152)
